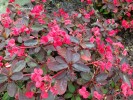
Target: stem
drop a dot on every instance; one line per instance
(59, 73)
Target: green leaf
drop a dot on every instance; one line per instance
(68, 95)
(78, 98)
(71, 87)
(37, 27)
(5, 96)
(3, 78)
(31, 42)
(19, 66)
(112, 84)
(32, 64)
(3, 6)
(73, 98)
(22, 2)
(104, 91)
(90, 97)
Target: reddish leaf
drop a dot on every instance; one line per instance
(61, 86)
(55, 66)
(81, 67)
(11, 89)
(17, 76)
(75, 57)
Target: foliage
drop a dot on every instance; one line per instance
(65, 49)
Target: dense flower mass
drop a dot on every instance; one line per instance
(65, 50)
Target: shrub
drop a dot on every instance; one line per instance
(51, 52)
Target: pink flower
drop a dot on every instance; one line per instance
(11, 42)
(92, 39)
(44, 95)
(54, 90)
(29, 94)
(109, 40)
(116, 2)
(108, 66)
(37, 9)
(126, 89)
(89, 1)
(11, 1)
(83, 92)
(67, 22)
(44, 39)
(125, 24)
(118, 44)
(1, 58)
(125, 67)
(44, 1)
(96, 31)
(112, 32)
(129, 1)
(124, 52)
(97, 95)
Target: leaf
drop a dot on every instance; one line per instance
(37, 27)
(3, 86)
(11, 89)
(51, 96)
(105, 91)
(85, 76)
(30, 42)
(89, 45)
(68, 56)
(32, 64)
(22, 97)
(19, 66)
(71, 87)
(22, 2)
(68, 95)
(126, 79)
(59, 59)
(74, 39)
(101, 77)
(78, 98)
(55, 66)
(3, 78)
(61, 86)
(112, 84)
(75, 57)
(81, 67)
(5, 96)
(3, 6)
(17, 76)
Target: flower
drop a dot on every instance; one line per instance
(125, 67)
(83, 92)
(44, 95)
(44, 39)
(125, 24)
(97, 95)
(29, 94)
(11, 42)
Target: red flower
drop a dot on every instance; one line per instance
(83, 92)
(29, 94)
